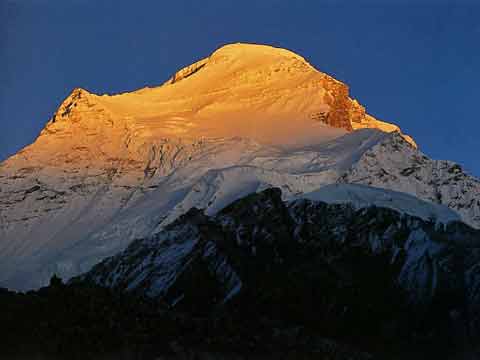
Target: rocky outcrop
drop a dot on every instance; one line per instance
(187, 71)
(337, 97)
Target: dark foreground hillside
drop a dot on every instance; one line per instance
(264, 280)
(87, 322)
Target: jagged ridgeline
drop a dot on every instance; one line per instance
(265, 278)
(261, 243)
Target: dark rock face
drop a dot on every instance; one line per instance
(342, 108)
(373, 278)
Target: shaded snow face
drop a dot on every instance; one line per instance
(68, 214)
(361, 196)
(100, 213)
(395, 165)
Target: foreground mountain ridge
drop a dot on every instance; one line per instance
(266, 278)
(153, 265)
(258, 249)
(109, 169)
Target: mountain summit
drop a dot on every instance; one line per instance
(271, 95)
(108, 169)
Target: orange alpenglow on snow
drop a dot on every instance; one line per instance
(267, 94)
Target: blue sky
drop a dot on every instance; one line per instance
(415, 63)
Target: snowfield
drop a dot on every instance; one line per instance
(361, 196)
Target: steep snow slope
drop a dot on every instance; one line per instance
(70, 224)
(53, 213)
(109, 169)
(361, 196)
(65, 218)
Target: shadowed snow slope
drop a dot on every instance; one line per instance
(361, 196)
(109, 169)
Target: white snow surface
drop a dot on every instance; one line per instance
(361, 196)
(395, 165)
(110, 169)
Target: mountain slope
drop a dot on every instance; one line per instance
(155, 263)
(109, 169)
(332, 263)
(395, 165)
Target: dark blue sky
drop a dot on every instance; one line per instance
(415, 63)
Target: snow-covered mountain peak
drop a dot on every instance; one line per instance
(270, 95)
(252, 51)
(82, 107)
(226, 61)
(111, 168)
